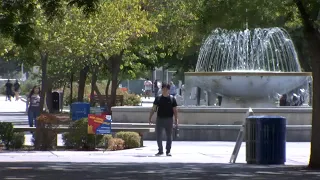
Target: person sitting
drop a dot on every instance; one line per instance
(283, 100)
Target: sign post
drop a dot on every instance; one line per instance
(239, 141)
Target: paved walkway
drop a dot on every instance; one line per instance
(183, 152)
(11, 106)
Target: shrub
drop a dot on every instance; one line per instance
(6, 133)
(105, 141)
(128, 99)
(17, 140)
(3, 90)
(27, 85)
(45, 137)
(115, 144)
(131, 139)
(78, 137)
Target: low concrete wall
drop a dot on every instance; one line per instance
(295, 133)
(229, 133)
(213, 116)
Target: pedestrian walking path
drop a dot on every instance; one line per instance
(182, 151)
(11, 106)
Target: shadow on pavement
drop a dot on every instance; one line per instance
(154, 171)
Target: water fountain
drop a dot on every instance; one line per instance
(250, 68)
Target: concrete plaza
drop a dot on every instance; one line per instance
(190, 160)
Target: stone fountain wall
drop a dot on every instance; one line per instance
(218, 124)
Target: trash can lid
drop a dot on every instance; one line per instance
(266, 117)
(80, 103)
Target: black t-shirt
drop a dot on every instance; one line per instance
(16, 86)
(8, 86)
(165, 106)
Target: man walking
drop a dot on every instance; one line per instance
(8, 90)
(16, 87)
(147, 88)
(166, 108)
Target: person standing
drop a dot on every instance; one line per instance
(166, 108)
(155, 88)
(16, 87)
(34, 105)
(173, 90)
(8, 90)
(147, 88)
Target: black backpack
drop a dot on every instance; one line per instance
(158, 98)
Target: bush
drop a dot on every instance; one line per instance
(3, 90)
(17, 140)
(131, 139)
(78, 137)
(45, 137)
(115, 144)
(26, 86)
(6, 133)
(128, 99)
(10, 138)
(105, 141)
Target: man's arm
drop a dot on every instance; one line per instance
(175, 111)
(154, 109)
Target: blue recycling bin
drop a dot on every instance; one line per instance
(265, 140)
(79, 110)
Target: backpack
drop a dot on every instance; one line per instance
(158, 98)
(171, 98)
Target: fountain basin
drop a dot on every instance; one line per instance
(218, 124)
(244, 89)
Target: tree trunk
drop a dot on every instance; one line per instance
(116, 62)
(107, 92)
(44, 64)
(49, 96)
(62, 98)
(82, 83)
(93, 83)
(313, 39)
(107, 87)
(101, 101)
(71, 89)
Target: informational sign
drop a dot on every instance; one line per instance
(99, 124)
(95, 110)
(240, 137)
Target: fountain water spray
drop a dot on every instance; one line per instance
(268, 49)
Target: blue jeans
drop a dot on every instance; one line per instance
(32, 117)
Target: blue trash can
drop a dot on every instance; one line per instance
(79, 110)
(266, 140)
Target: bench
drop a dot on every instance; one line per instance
(119, 99)
(63, 129)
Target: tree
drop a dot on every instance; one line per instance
(313, 36)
